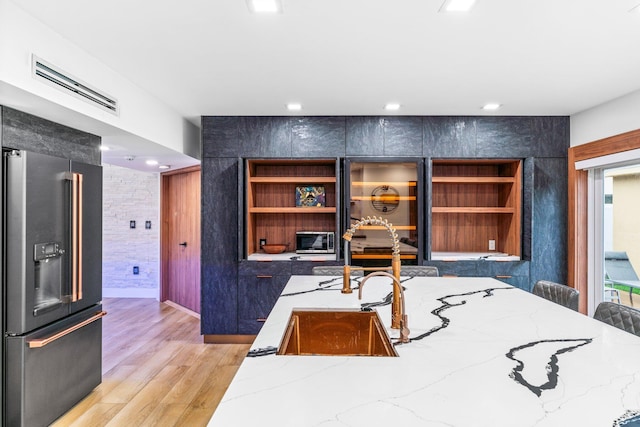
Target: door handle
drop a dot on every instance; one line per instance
(183, 244)
(76, 236)
(37, 343)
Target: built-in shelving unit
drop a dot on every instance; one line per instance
(475, 202)
(271, 211)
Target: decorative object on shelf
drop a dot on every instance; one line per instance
(310, 195)
(385, 198)
(273, 248)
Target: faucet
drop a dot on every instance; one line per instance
(404, 322)
(395, 263)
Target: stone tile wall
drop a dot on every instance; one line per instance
(130, 195)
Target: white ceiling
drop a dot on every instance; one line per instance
(350, 57)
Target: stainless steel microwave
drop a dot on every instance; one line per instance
(315, 242)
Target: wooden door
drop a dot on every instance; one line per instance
(181, 238)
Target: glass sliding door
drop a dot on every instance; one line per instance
(621, 235)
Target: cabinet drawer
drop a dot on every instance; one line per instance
(257, 294)
(49, 379)
(515, 273)
(503, 268)
(456, 268)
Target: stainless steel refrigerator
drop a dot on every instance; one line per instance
(52, 285)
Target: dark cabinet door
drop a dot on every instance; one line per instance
(219, 246)
(515, 273)
(549, 220)
(257, 294)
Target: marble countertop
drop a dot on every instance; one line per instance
(473, 256)
(290, 256)
(482, 353)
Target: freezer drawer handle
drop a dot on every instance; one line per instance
(44, 341)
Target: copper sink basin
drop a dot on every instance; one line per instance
(335, 332)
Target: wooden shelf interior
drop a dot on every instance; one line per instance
(272, 213)
(476, 201)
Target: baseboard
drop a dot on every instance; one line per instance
(181, 308)
(130, 293)
(229, 339)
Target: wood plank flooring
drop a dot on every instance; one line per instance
(156, 370)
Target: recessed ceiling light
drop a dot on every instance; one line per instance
(151, 162)
(392, 106)
(492, 106)
(457, 5)
(265, 6)
(164, 167)
(294, 106)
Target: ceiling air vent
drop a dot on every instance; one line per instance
(63, 81)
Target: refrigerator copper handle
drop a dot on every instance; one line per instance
(41, 342)
(79, 232)
(76, 237)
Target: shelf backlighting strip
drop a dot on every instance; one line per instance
(384, 198)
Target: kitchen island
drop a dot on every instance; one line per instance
(482, 353)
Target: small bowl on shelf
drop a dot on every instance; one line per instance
(275, 248)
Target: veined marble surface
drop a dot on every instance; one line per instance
(482, 353)
(289, 256)
(473, 256)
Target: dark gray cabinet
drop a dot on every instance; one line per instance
(515, 273)
(318, 137)
(549, 220)
(259, 285)
(233, 294)
(219, 246)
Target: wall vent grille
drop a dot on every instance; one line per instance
(55, 77)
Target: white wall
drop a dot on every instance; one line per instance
(611, 118)
(141, 114)
(130, 195)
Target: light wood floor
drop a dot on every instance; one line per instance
(156, 370)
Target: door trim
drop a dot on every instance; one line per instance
(577, 225)
(164, 232)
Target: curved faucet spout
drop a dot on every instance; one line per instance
(395, 262)
(395, 249)
(397, 286)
